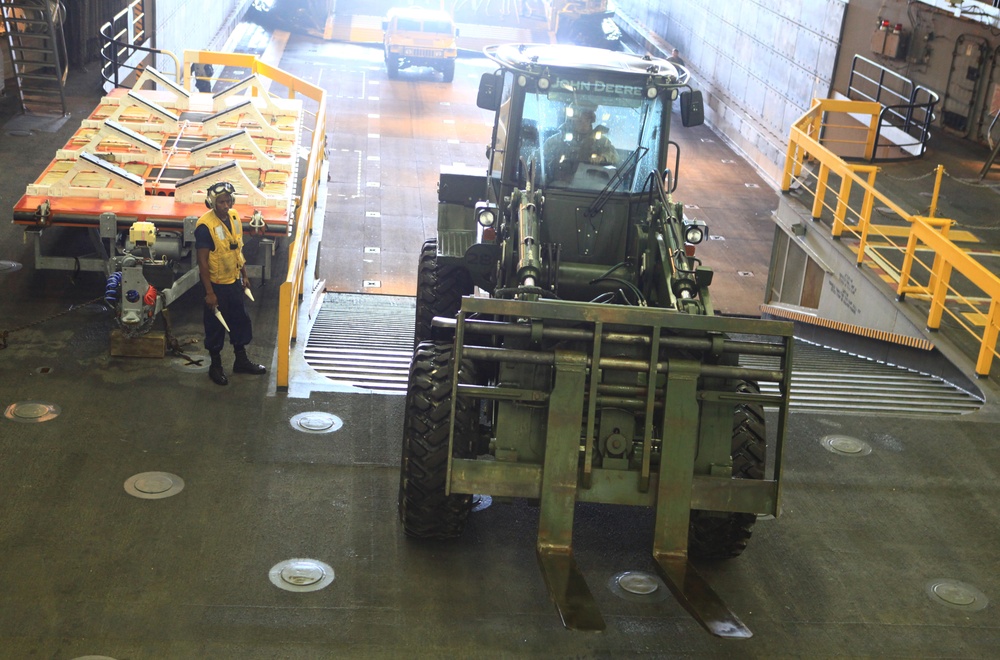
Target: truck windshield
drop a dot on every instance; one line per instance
(438, 27)
(429, 26)
(579, 139)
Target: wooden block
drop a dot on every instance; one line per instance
(151, 345)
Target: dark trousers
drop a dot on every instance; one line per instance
(230, 297)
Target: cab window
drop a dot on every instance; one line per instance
(584, 139)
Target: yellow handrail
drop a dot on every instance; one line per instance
(290, 291)
(927, 231)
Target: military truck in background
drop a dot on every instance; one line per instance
(418, 37)
(566, 347)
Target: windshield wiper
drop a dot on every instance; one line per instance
(623, 170)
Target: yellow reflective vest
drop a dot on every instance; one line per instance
(226, 261)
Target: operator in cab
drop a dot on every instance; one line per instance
(578, 141)
(218, 237)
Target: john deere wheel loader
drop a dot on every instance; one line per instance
(566, 346)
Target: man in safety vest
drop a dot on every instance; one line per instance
(218, 239)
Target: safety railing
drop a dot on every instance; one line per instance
(917, 275)
(124, 47)
(290, 291)
(907, 109)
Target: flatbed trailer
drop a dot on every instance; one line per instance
(135, 176)
(160, 149)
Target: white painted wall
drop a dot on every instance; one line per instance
(194, 24)
(943, 54)
(759, 62)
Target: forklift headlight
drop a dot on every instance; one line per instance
(486, 214)
(487, 218)
(695, 231)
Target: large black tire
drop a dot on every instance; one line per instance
(448, 71)
(392, 65)
(715, 535)
(424, 509)
(439, 291)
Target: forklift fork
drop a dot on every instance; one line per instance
(676, 398)
(567, 586)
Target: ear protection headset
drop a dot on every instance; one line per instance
(216, 189)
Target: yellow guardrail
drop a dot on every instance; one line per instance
(290, 291)
(923, 278)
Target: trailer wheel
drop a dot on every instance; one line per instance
(424, 509)
(717, 535)
(439, 291)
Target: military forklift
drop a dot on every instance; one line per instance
(566, 347)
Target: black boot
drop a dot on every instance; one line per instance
(215, 371)
(243, 365)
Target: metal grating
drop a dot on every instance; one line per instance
(364, 341)
(827, 380)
